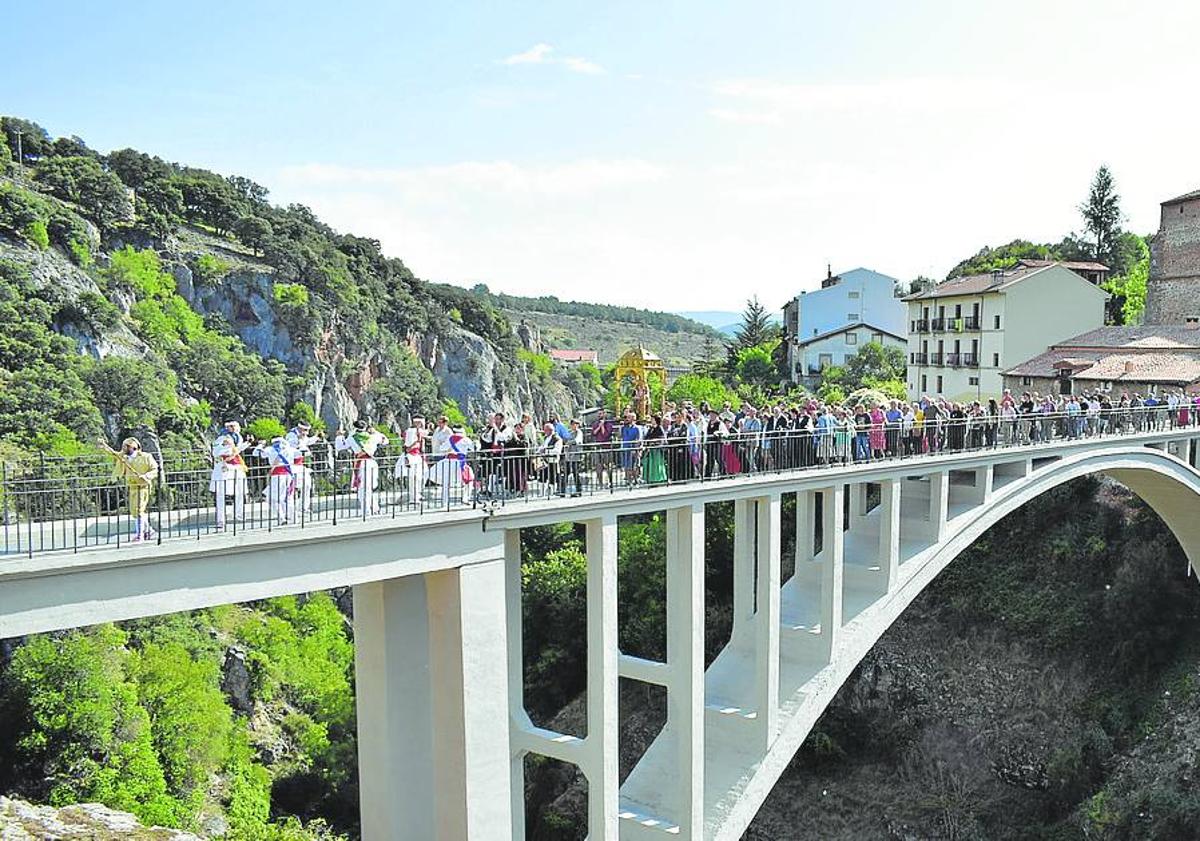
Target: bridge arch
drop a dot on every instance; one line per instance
(1168, 485)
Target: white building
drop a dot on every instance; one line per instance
(963, 334)
(858, 296)
(837, 347)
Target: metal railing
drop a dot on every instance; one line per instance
(56, 504)
(938, 325)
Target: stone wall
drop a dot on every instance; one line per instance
(1173, 292)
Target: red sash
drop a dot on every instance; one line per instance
(360, 458)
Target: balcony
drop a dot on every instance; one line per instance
(939, 325)
(971, 322)
(954, 360)
(970, 360)
(936, 359)
(920, 359)
(922, 325)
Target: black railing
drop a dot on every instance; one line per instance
(937, 359)
(920, 359)
(938, 325)
(971, 322)
(56, 504)
(922, 325)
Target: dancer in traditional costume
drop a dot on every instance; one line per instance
(410, 467)
(281, 484)
(301, 439)
(229, 471)
(454, 472)
(362, 444)
(139, 470)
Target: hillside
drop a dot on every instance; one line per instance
(611, 338)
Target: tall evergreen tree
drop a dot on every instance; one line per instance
(756, 327)
(1102, 215)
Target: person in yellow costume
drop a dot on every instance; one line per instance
(139, 470)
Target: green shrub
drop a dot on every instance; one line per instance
(291, 295)
(209, 268)
(81, 254)
(265, 428)
(37, 234)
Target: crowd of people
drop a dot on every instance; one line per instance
(440, 463)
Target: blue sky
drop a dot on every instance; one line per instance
(666, 154)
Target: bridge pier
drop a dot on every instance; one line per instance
(889, 531)
(939, 504)
(833, 571)
(685, 660)
(431, 683)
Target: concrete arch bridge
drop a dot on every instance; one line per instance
(438, 629)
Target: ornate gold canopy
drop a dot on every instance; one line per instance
(639, 373)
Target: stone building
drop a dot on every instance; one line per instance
(1116, 359)
(1173, 291)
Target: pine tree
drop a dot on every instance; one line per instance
(1102, 215)
(756, 327)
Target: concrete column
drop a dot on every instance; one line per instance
(432, 681)
(806, 526)
(602, 769)
(889, 531)
(984, 479)
(517, 716)
(833, 554)
(392, 696)
(766, 620)
(685, 656)
(469, 667)
(743, 562)
(858, 501)
(939, 503)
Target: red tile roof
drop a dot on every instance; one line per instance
(1150, 354)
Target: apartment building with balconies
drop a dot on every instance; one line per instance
(964, 333)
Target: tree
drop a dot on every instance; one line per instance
(1127, 291)
(252, 231)
(756, 366)
(875, 362)
(756, 327)
(699, 388)
(81, 180)
(1102, 214)
(35, 140)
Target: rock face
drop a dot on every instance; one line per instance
(21, 821)
(51, 270)
(235, 681)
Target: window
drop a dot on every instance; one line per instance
(939, 384)
(995, 360)
(851, 338)
(825, 360)
(877, 337)
(912, 359)
(996, 321)
(853, 295)
(958, 310)
(973, 381)
(852, 316)
(1026, 381)
(924, 382)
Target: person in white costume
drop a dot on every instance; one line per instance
(301, 439)
(281, 484)
(440, 437)
(453, 473)
(229, 472)
(410, 467)
(362, 444)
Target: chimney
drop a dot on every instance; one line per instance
(829, 271)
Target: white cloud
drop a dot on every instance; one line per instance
(537, 54)
(545, 54)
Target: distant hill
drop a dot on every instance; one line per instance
(724, 322)
(665, 321)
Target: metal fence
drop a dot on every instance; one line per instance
(56, 504)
